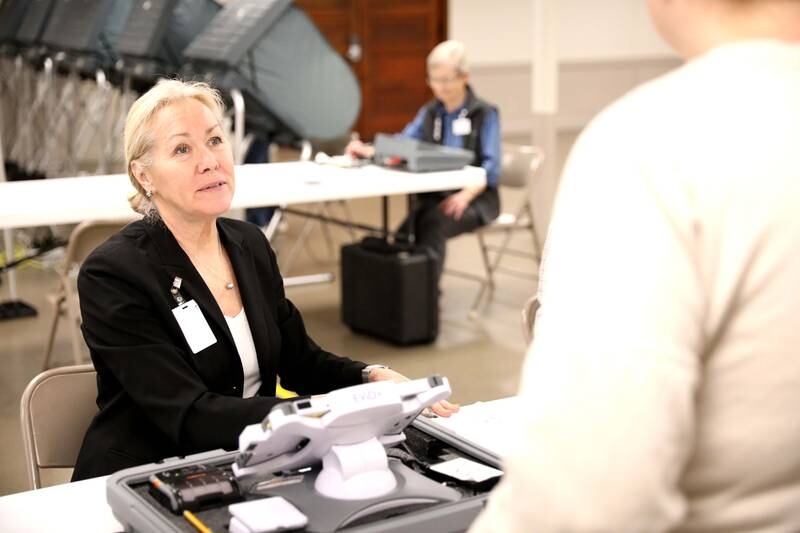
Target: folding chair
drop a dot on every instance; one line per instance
(82, 33)
(56, 409)
(84, 238)
(35, 88)
(528, 316)
(519, 166)
(319, 209)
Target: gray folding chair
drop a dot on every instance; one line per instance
(56, 409)
(319, 209)
(519, 166)
(83, 240)
(528, 315)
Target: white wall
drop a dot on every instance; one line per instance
(497, 32)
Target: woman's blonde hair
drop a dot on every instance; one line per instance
(139, 136)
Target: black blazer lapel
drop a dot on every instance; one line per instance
(177, 263)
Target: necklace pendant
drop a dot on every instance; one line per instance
(229, 285)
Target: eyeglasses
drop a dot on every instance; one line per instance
(444, 81)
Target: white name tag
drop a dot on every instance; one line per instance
(194, 326)
(462, 126)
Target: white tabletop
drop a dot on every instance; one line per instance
(79, 507)
(73, 200)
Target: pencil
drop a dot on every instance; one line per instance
(196, 522)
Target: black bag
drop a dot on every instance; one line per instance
(389, 291)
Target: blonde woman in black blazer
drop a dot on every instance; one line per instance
(165, 387)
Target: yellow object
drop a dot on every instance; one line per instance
(280, 392)
(196, 522)
(18, 253)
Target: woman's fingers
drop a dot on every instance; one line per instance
(444, 408)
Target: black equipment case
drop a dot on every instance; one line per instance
(389, 291)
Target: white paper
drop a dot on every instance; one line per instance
(489, 425)
(193, 324)
(266, 514)
(466, 470)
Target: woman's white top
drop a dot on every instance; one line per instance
(243, 338)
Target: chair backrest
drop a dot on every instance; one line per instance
(528, 317)
(56, 409)
(87, 236)
(519, 164)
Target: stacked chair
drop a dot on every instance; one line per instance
(69, 51)
(12, 13)
(26, 74)
(71, 68)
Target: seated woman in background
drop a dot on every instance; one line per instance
(455, 117)
(184, 312)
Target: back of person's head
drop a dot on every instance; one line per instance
(138, 135)
(450, 53)
(693, 27)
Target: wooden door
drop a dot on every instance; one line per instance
(386, 43)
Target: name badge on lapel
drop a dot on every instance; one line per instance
(194, 326)
(462, 126)
(190, 318)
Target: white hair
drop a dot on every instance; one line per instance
(451, 53)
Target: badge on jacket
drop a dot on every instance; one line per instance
(462, 126)
(193, 324)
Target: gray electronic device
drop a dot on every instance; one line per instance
(419, 156)
(418, 503)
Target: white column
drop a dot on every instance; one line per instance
(544, 57)
(544, 105)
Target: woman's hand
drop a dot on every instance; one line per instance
(441, 408)
(358, 149)
(454, 205)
